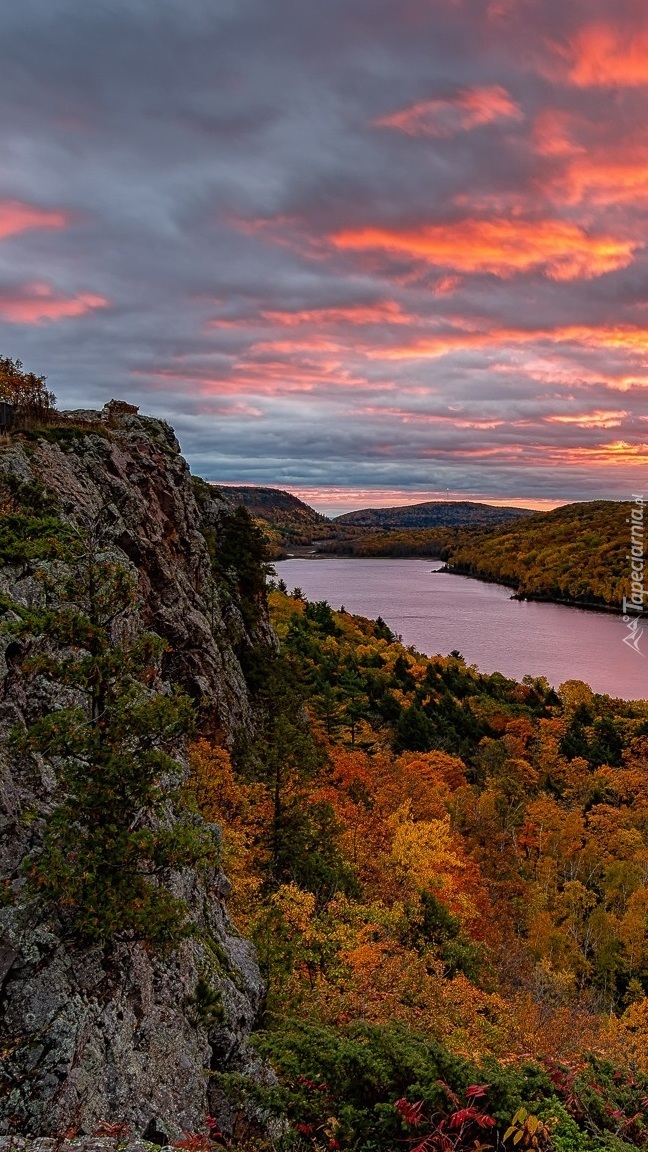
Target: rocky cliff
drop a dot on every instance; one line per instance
(111, 1033)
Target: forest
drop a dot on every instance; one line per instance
(577, 553)
(446, 878)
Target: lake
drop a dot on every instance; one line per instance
(437, 612)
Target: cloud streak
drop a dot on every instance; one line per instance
(445, 116)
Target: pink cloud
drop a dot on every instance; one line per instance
(37, 303)
(606, 54)
(445, 116)
(15, 217)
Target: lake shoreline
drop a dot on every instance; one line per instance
(530, 598)
(437, 611)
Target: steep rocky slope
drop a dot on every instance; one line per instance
(108, 1033)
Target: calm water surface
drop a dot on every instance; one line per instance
(436, 612)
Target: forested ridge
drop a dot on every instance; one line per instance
(576, 553)
(433, 514)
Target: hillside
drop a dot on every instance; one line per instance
(443, 878)
(433, 514)
(396, 542)
(575, 554)
(285, 521)
(279, 508)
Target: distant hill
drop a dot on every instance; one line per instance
(434, 514)
(574, 554)
(279, 508)
(286, 521)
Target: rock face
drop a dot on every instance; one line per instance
(113, 1034)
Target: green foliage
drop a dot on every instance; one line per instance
(355, 1077)
(207, 1004)
(239, 561)
(439, 927)
(111, 839)
(300, 837)
(355, 1085)
(30, 528)
(414, 731)
(598, 741)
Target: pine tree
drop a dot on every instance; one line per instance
(115, 833)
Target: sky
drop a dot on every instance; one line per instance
(370, 251)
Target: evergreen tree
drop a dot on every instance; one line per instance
(112, 837)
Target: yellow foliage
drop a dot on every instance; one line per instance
(626, 1037)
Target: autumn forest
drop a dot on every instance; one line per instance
(446, 878)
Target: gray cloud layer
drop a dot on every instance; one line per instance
(218, 165)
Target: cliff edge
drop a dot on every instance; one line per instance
(94, 1033)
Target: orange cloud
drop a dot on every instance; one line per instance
(445, 116)
(342, 499)
(36, 303)
(629, 339)
(17, 217)
(558, 248)
(597, 419)
(614, 454)
(601, 172)
(384, 312)
(606, 55)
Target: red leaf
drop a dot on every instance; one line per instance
(193, 1142)
(425, 1145)
(412, 1114)
(462, 1116)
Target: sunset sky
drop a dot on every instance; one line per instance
(368, 250)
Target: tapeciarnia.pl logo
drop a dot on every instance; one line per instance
(633, 606)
